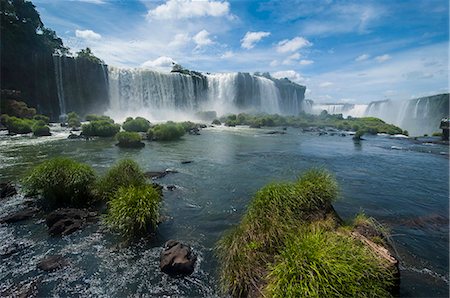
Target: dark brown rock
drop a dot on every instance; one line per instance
(65, 221)
(52, 263)
(7, 189)
(20, 215)
(177, 259)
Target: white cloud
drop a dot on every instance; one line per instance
(180, 39)
(293, 45)
(326, 84)
(306, 62)
(274, 63)
(290, 59)
(362, 57)
(202, 39)
(184, 9)
(383, 58)
(162, 63)
(290, 74)
(251, 38)
(87, 34)
(227, 54)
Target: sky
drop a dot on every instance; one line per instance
(343, 51)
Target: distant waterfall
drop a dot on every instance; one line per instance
(153, 94)
(59, 84)
(418, 116)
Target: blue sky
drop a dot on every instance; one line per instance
(342, 51)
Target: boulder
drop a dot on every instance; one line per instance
(7, 189)
(20, 215)
(186, 162)
(65, 221)
(171, 187)
(156, 175)
(52, 263)
(177, 259)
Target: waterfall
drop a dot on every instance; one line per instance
(418, 116)
(269, 95)
(59, 85)
(151, 93)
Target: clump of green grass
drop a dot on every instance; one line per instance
(100, 128)
(134, 210)
(62, 182)
(273, 212)
(138, 124)
(327, 264)
(40, 128)
(129, 139)
(19, 125)
(168, 131)
(123, 174)
(73, 120)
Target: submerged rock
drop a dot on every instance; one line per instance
(7, 189)
(276, 132)
(20, 215)
(171, 187)
(177, 259)
(65, 221)
(186, 162)
(52, 263)
(157, 175)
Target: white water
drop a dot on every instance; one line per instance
(156, 95)
(418, 116)
(59, 85)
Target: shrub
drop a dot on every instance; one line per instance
(327, 264)
(129, 139)
(123, 174)
(41, 129)
(40, 117)
(73, 120)
(134, 210)
(19, 126)
(62, 182)
(216, 122)
(167, 132)
(17, 108)
(93, 117)
(358, 135)
(100, 128)
(437, 134)
(4, 119)
(137, 125)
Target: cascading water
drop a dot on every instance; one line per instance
(418, 116)
(156, 95)
(59, 86)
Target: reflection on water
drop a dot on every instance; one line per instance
(405, 188)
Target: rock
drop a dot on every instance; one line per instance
(65, 221)
(322, 133)
(12, 248)
(171, 187)
(177, 259)
(186, 162)
(52, 263)
(20, 215)
(7, 189)
(276, 132)
(73, 136)
(194, 131)
(157, 175)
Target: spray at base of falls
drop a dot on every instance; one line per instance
(418, 116)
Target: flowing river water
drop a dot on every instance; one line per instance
(400, 182)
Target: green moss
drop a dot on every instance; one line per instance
(129, 139)
(167, 132)
(134, 210)
(19, 125)
(62, 182)
(40, 129)
(100, 128)
(41, 118)
(320, 263)
(136, 125)
(94, 117)
(123, 174)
